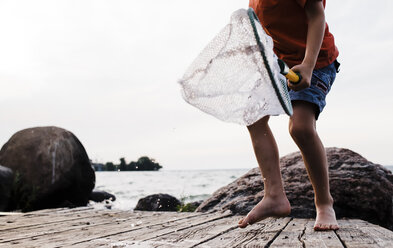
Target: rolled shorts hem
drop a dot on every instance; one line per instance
(321, 82)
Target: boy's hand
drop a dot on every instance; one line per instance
(316, 27)
(306, 72)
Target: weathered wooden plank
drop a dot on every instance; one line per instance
(193, 236)
(361, 234)
(353, 237)
(60, 210)
(65, 223)
(256, 235)
(31, 220)
(383, 237)
(45, 212)
(78, 209)
(318, 239)
(66, 231)
(10, 214)
(50, 210)
(149, 232)
(300, 233)
(290, 235)
(91, 232)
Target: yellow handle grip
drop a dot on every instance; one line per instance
(293, 77)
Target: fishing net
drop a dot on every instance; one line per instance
(236, 78)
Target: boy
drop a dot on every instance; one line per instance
(302, 39)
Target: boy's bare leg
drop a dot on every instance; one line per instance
(302, 127)
(274, 202)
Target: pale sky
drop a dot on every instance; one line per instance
(108, 70)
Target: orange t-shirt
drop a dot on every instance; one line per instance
(286, 22)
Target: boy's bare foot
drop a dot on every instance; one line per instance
(267, 207)
(326, 219)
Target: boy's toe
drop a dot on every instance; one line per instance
(243, 223)
(325, 227)
(321, 227)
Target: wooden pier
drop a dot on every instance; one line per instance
(88, 227)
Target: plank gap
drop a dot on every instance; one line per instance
(215, 236)
(277, 234)
(300, 237)
(339, 238)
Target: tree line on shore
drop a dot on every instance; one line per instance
(142, 164)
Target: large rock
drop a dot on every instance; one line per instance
(6, 182)
(360, 189)
(51, 169)
(100, 196)
(158, 202)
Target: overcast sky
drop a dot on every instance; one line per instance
(108, 70)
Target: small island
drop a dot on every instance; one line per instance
(142, 164)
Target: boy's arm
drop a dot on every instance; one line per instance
(316, 28)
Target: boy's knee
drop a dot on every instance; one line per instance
(301, 132)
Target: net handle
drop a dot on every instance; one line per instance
(293, 77)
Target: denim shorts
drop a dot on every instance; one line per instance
(321, 81)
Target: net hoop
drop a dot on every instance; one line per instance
(253, 17)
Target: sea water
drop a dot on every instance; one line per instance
(185, 185)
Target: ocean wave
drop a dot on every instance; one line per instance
(188, 186)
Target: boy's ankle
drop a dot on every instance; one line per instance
(324, 202)
(276, 195)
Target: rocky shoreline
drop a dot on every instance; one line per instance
(48, 167)
(361, 189)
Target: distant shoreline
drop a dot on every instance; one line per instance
(161, 170)
(389, 167)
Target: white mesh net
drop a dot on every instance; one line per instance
(229, 79)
